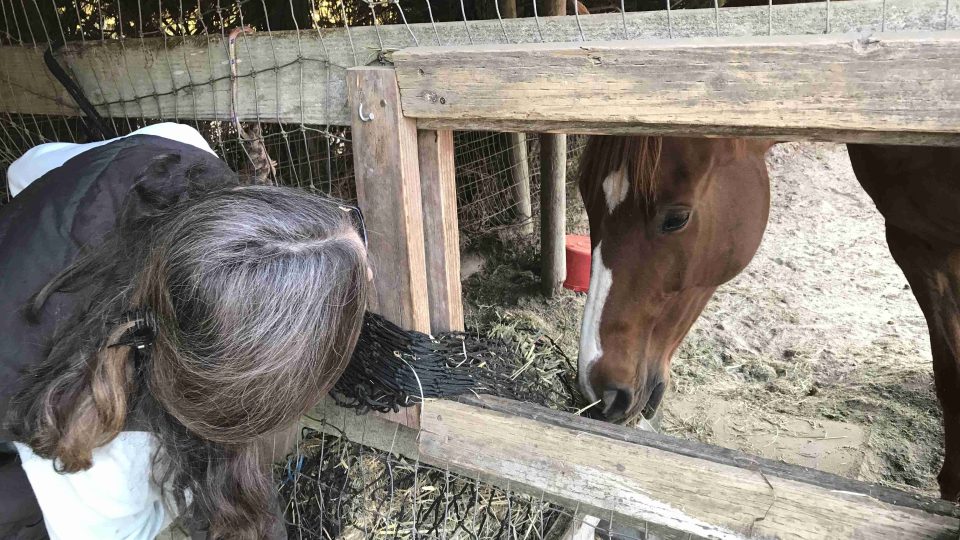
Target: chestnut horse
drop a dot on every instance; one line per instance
(672, 218)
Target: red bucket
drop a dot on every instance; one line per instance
(578, 263)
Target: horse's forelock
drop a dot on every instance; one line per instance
(638, 156)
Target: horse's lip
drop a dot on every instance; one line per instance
(653, 403)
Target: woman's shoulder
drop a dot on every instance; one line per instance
(43, 158)
(115, 498)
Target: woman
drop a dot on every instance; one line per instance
(160, 329)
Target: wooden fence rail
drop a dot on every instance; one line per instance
(301, 77)
(677, 487)
(884, 88)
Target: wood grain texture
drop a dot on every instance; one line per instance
(553, 212)
(518, 159)
(387, 173)
(508, 8)
(709, 452)
(899, 85)
(374, 430)
(520, 176)
(27, 86)
(674, 488)
(188, 78)
(441, 233)
(634, 483)
(552, 8)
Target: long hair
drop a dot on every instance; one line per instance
(258, 294)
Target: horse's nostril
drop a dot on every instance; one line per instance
(616, 403)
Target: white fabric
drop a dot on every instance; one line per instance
(41, 159)
(116, 498)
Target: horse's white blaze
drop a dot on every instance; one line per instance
(590, 350)
(615, 189)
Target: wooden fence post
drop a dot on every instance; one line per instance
(553, 196)
(553, 212)
(517, 158)
(520, 175)
(388, 189)
(441, 234)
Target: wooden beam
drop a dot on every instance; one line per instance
(27, 86)
(520, 176)
(508, 8)
(675, 487)
(301, 78)
(388, 189)
(894, 87)
(518, 160)
(381, 431)
(640, 483)
(438, 186)
(553, 212)
(553, 196)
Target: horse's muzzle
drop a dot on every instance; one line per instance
(621, 405)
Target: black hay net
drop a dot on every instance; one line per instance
(334, 488)
(392, 368)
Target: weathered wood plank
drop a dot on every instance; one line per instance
(553, 212)
(373, 430)
(901, 87)
(709, 452)
(643, 479)
(441, 233)
(387, 172)
(553, 196)
(291, 77)
(520, 177)
(633, 483)
(518, 159)
(27, 86)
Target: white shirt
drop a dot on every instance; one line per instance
(116, 498)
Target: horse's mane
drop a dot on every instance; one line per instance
(639, 156)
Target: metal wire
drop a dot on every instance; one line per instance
(669, 20)
(336, 484)
(716, 16)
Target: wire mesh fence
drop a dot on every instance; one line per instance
(226, 66)
(337, 489)
(279, 85)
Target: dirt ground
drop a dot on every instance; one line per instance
(816, 354)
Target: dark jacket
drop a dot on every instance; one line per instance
(73, 207)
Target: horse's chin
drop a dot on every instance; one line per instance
(653, 403)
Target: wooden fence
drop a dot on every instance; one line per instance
(673, 488)
(892, 87)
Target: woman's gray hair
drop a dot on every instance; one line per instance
(258, 294)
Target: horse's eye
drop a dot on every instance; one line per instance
(675, 221)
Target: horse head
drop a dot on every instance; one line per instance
(670, 220)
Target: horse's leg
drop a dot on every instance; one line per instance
(933, 271)
(917, 189)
